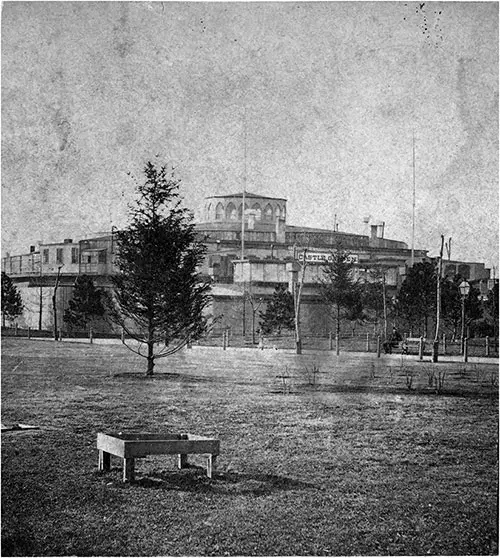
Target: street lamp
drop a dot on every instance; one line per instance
(464, 292)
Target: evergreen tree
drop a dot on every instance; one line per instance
(12, 303)
(340, 291)
(374, 297)
(86, 305)
(159, 296)
(473, 307)
(279, 313)
(416, 300)
(490, 309)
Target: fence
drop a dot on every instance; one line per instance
(476, 347)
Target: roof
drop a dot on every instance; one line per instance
(295, 228)
(247, 195)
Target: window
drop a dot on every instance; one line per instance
(45, 255)
(101, 258)
(230, 212)
(74, 255)
(258, 211)
(59, 255)
(219, 212)
(268, 213)
(239, 210)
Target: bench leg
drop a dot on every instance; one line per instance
(128, 469)
(182, 461)
(104, 461)
(211, 460)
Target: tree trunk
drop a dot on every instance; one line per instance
(40, 303)
(54, 309)
(151, 358)
(435, 348)
(54, 301)
(298, 341)
(253, 326)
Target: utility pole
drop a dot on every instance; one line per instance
(41, 298)
(413, 208)
(384, 301)
(495, 325)
(244, 185)
(243, 216)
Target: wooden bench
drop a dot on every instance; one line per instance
(131, 446)
(412, 343)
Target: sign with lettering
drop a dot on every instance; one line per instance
(322, 257)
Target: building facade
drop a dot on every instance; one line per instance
(245, 263)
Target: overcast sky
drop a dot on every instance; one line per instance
(334, 92)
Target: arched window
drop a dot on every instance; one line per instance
(278, 212)
(268, 213)
(258, 211)
(219, 212)
(239, 210)
(231, 212)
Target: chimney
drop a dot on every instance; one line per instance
(381, 227)
(68, 241)
(373, 229)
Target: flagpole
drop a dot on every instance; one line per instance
(413, 208)
(244, 184)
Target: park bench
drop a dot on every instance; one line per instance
(412, 345)
(408, 346)
(131, 446)
(389, 345)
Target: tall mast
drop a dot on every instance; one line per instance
(244, 183)
(413, 208)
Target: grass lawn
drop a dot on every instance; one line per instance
(356, 464)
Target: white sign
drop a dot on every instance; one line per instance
(322, 257)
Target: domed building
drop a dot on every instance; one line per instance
(262, 212)
(265, 217)
(269, 255)
(243, 269)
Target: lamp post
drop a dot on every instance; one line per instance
(464, 292)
